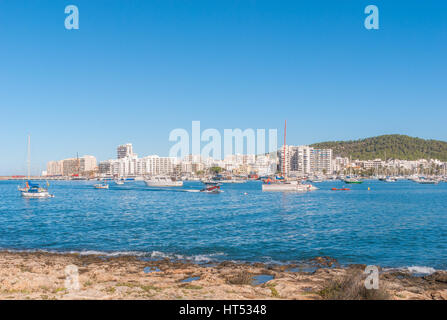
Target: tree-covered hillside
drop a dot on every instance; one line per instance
(394, 146)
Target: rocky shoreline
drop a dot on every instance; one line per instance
(39, 275)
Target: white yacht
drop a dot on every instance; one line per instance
(287, 186)
(163, 181)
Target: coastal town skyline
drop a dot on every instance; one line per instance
(227, 160)
(237, 152)
(237, 66)
(41, 169)
(288, 159)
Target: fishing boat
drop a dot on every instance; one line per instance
(33, 190)
(163, 181)
(101, 186)
(211, 187)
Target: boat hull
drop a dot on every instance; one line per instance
(36, 195)
(101, 186)
(151, 183)
(353, 182)
(288, 187)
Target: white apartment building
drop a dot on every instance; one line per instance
(88, 163)
(264, 165)
(71, 166)
(155, 165)
(123, 151)
(55, 168)
(128, 164)
(304, 160)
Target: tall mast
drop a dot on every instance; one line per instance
(29, 156)
(284, 152)
(78, 164)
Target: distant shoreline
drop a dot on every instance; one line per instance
(41, 275)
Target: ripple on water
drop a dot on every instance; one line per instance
(393, 225)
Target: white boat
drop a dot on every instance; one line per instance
(119, 181)
(32, 190)
(101, 186)
(163, 181)
(211, 187)
(36, 192)
(427, 181)
(287, 186)
(233, 181)
(282, 183)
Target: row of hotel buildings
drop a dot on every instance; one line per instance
(294, 160)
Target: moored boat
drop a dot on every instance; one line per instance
(101, 186)
(163, 181)
(119, 181)
(34, 191)
(340, 189)
(282, 183)
(353, 181)
(285, 185)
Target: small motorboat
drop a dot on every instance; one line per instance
(101, 186)
(353, 181)
(340, 189)
(119, 181)
(211, 187)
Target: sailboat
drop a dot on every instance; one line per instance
(282, 183)
(350, 179)
(33, 190)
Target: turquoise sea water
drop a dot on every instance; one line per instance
(397, 224)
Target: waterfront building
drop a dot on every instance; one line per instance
(156, 165)
(54, 168)
(305, 160)
(88, 163)
(125, 150)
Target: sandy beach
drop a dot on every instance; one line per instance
(39, 275)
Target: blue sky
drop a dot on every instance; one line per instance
(135, 70)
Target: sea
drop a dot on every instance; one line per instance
(393, 225)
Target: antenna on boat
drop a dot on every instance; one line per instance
(284, 152)
(29, 156)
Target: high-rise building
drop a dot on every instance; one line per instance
(87, 163)
(125, 150)
(304, 160)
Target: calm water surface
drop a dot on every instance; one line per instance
(394, 224)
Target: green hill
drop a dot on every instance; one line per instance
(395, 146)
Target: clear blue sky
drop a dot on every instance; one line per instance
(135, 70)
